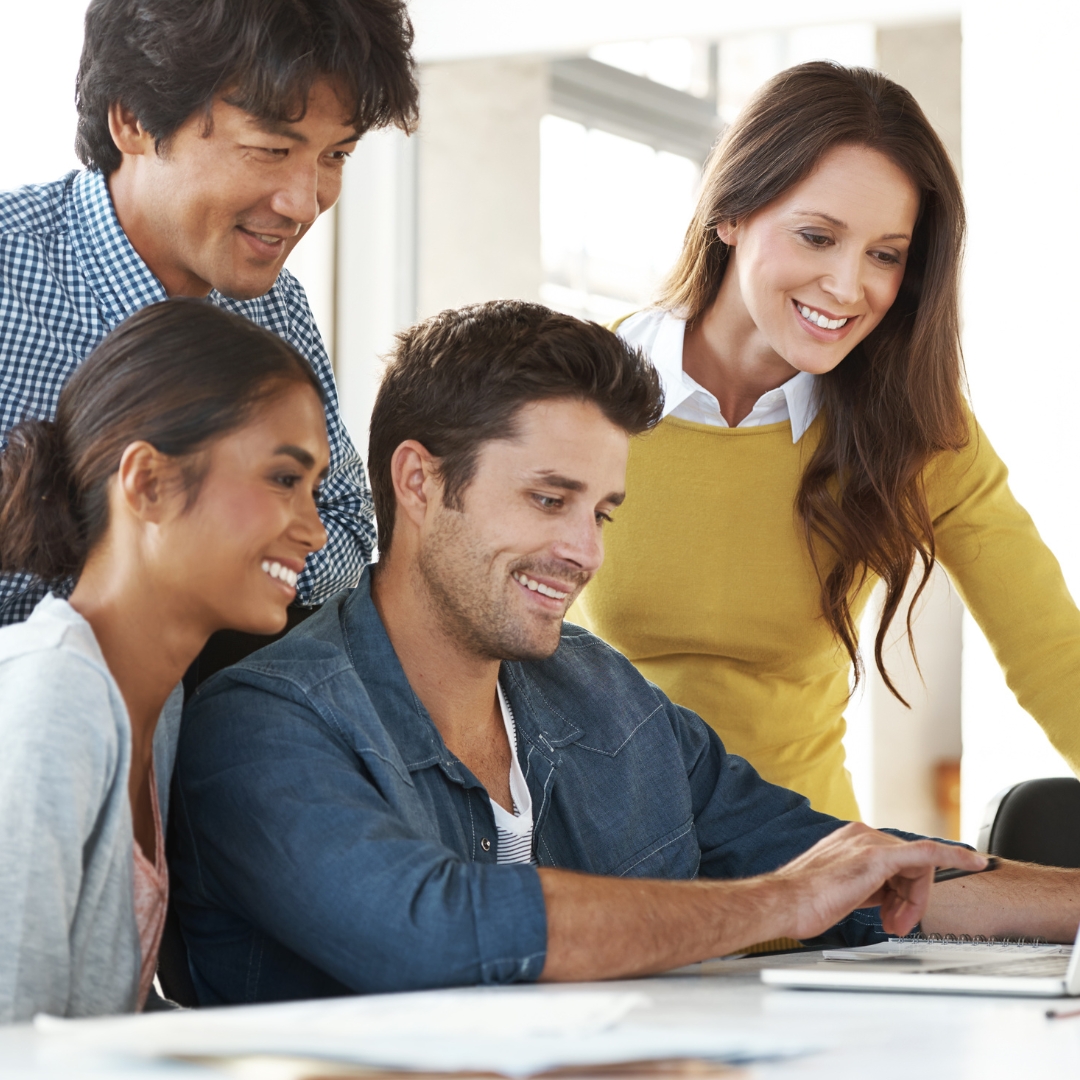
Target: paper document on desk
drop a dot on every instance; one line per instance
(904, 955)
(513, 1031)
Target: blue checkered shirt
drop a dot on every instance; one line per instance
(68, 275)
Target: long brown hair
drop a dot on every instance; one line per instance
(896, 400)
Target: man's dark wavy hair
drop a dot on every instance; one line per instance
(166, 60)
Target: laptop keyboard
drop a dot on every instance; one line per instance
(1036, 966)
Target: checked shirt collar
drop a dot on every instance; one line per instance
(121, 282)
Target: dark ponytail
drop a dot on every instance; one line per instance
(177, 375)
(38, 531)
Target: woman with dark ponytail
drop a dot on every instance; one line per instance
(176, 490)
(816, 440)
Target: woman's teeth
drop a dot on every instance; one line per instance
(810, 315)
(536, 586)
(282, 573)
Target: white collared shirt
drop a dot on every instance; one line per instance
(660, 334)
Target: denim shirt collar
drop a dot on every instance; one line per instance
(377, 665)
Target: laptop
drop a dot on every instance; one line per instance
(941, 966)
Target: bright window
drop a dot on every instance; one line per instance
(612, 217)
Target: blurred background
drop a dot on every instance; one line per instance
(558, 159)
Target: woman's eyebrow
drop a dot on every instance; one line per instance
(298, 453)
(803, 212)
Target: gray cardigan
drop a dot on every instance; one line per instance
(68, 940)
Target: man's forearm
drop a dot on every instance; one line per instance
(605, 928)
(1016, 900)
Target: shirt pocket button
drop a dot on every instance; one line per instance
(485, 843)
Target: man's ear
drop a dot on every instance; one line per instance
(145, 478)
(728, 231)
(415, 472)
(128, 133)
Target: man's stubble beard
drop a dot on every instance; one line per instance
(455, 571)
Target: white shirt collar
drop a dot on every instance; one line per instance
(660, 334)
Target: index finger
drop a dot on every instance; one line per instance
(992, 863)
(920, 855)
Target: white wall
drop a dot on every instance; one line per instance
(314, 262)
(479, 182)
(1021, 154)
(907, 743)
(376, 268)
(40, 43)
(927, 60)
(447, 217)
(453, 29)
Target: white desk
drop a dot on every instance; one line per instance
(913, 1037)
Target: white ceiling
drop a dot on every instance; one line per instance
(457, 29)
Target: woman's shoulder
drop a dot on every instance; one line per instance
(972, 470)
(53, 679)
(54, 633)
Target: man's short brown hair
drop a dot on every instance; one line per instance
(459, 379)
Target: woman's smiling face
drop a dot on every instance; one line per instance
(817, 269)
(235, 552)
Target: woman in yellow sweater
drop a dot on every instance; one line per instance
(816, 439)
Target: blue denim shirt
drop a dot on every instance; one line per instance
(328, 842)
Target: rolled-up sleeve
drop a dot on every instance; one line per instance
(344, 502)
(319, 841)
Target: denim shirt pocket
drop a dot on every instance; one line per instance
(619, 803)
(675, 855)
(587, 694)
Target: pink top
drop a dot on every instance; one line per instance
(151, 898)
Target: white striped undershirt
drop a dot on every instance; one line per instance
(515, 830)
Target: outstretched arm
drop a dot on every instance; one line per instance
(601, 928)
(1016, 900)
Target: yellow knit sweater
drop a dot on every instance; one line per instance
(708, 588)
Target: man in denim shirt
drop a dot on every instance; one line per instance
(435, 782)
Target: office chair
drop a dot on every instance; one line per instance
(1037, 821)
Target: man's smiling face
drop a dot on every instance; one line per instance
(223, 203)
(502, 567)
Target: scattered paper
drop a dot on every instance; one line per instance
(260, 1067)
(938, 951)
(508, 1031)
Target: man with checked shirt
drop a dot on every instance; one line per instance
(214, 132)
